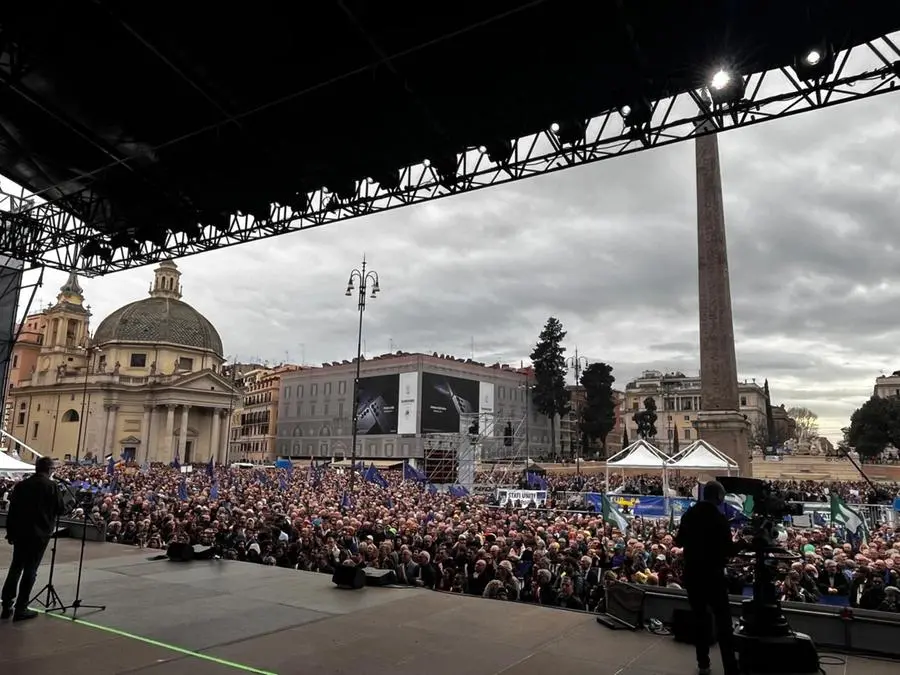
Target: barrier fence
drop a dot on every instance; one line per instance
(656, 506)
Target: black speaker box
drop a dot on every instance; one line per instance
(376, 577)
(349, 577)
(685, 629)
(179, 552)
(625, 602)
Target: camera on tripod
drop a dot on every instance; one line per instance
(764, 640)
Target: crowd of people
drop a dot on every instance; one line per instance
(315, 520)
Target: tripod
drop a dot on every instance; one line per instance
(52, 602)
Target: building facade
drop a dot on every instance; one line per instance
(887, 386)
(404, 398)
(678, 399)
(257, 421)
(147, 386)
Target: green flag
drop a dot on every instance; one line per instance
(613, 516)
(742, 504)
(850, 519)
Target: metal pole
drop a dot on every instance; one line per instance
(527, 415)
(363, 277)
(81, 425)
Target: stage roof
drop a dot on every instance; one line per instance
(146, 120)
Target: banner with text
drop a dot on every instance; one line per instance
(644, 506)
(377, 411)
(409, 403)
(523, 497)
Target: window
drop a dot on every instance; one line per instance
(299, 391)
(342, 388)
(287, 393)
(340, 410)
(671, 433)
(312, 409)
(743, 400)
(21, 421)
(185, 364)
(687, 418)
(325, 411)
(634, 406)
(328, 388)
(687, 434)
(70, 416)
(138, 361)
(15, 361)
(313, 390)
(34, 431)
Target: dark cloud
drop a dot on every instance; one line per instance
(611, 250)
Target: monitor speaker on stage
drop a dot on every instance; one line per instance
(625, 603)
(376, 577)
(352, 578)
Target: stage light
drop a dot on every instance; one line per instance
(215, 219)
(725, 87)
(445, 165)
(345, 188)
(554, 127)
(498, 151)
(815, 62)
(570, 131)
(636, 113)
(388, 179)
(427, 163)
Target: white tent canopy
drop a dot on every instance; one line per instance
(701, 455)
(9, 464)
(638, 455)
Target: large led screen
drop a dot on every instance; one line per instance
(444, 400)
(378, 399)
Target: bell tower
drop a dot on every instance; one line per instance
(66, 331)
(166, 281)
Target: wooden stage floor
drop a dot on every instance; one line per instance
(222, 618)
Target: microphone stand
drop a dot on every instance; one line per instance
(53, 603)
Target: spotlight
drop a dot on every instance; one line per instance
(815, 62)
(426, 162)
(725, 88)
(343, 188)
(637, 113)
(388, 179)
(445, 166)
(571, 131)
(219, 220)
(498, 151)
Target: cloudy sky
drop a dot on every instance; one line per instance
(610, 250)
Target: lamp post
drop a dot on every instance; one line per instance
(528, 387)
(362, 278)
(575, 363)
(88, 359)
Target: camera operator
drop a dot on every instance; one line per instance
(705, 536)
(33, 507)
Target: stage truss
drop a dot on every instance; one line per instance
(82, 232)
(479, 460)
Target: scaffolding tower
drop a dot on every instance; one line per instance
(488, 452)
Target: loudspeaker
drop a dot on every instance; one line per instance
(349, 577)
(179, 552)
(625, 603)
(685, 629)
(376, 577)
(204, 552)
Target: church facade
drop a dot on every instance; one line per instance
(147, 386)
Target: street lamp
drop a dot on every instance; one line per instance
(88, 354)
(575, 363)
(362, 278)
(528, 387)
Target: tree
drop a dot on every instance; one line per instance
(807, 423)
(549, 395)
(646, 419)
(598, 414)
(875, 425)
(759, 435)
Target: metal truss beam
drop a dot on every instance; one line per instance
(64, 234)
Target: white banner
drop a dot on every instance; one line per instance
(486, 408)
(408, 410)
(524, 497)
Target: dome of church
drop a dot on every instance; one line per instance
(161, 318)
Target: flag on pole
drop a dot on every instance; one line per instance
(613, 516)
(214, 491)
(850, 519)
(738, 507)
(182, 489)
(110, 466)
(211, 467)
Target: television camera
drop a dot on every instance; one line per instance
(764, 640)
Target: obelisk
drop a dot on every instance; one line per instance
(719, 421)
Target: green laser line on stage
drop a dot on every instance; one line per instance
(161, 645)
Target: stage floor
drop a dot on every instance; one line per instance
(221, 617)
